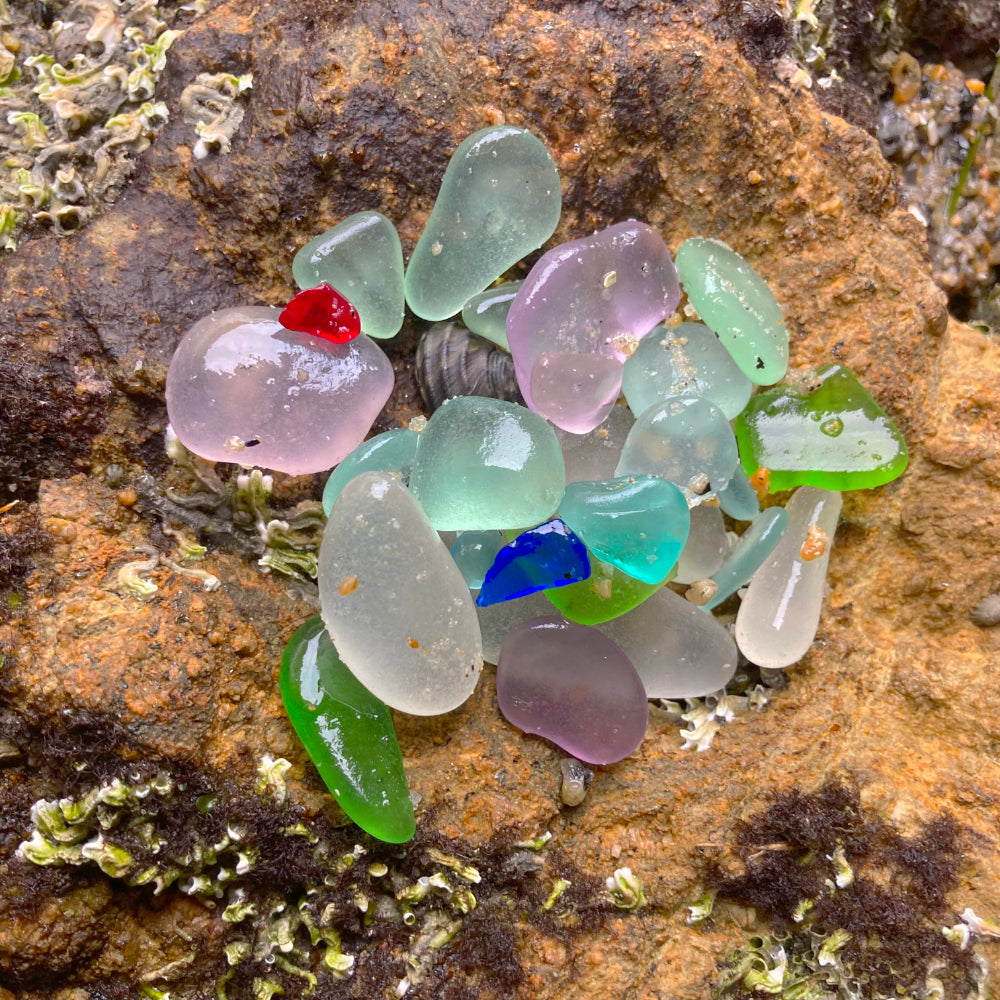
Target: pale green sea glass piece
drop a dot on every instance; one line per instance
(363, 259)
(394, 602)
(706, 545)
(746, 556)
(607, 593)
(499, 200)
(486, 313)
(474, 553)
(734, 300)
(738, 498)
(483, 463)
(684, 360)
(391, 451)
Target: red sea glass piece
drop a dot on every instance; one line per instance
(323, 312)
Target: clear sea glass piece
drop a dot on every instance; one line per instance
(706, 545)
(241, 388)
(734, 301)
(486, 313)
(738, 498)
(474, 553)
(746, 556)
(593, 456)
(684, 360)
(575, 391)
(499, 200)
(678, 651)
(483, 463)
(391, 451)
(497, 620)
(394, 602)
(573, 686)
(778, 618)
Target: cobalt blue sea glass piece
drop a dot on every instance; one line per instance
(474, 553)
(538, 559)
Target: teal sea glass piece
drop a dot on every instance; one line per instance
(734, 301)
(607, 593)
(391, 451)
(826, 431)
(685, 360)
(538, 559)
(483, 463)
(738, 498)
(747, 555)
(639, 524)
(474, 553)
(486, 313)
(499, 200)
(348, 733)
(363, 259)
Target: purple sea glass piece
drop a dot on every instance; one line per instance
(576, 391)
(241, 388)
(574, 686)
(596, 295)
(538, 559)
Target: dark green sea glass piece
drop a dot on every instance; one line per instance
(825, 431)
(348, 733)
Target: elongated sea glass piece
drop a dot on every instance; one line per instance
(778, 618)
(593, 456)
(394, 601)
(825, 431)
(746, 556)
(738, 498)
(363, 259)
(573, 686)
(734, 301)
(348, 733)
(607, 593)
(391, 451)
(706, 545)
(486, 313)
(499, 200)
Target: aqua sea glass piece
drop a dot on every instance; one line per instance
(688, 359)
(738, 498)
(483, 463)
(825, 431)
(607, 593)
(241, 388)
(746, 556)
(394, 601)
(573, 686)
(474, 553)
(637, 523)
(499, 200)
(537, 559)
(777, 621)
(706, 545)
(734, 301)
(348, 733)
(391, 451)
(486, 313)
(685, 440)
(363, 259)
(594, 455)
(678, 651)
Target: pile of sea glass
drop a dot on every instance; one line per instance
(541, 537)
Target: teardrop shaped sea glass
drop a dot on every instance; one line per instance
(573, 686)
(394, 601)
(747, 555)
(391, 451)
(499, 200)
(348, 733)
(486, 313)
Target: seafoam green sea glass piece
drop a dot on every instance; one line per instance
(348, 733)
(486, 313)
(738, 498)
(706, 545)
(499, 200)
(607, 593)
(684, 360)
(734, 300)
(391, 451)
(483, 463)
(363, 259)
(746, 556)
(825, 431)
(778, 618)
(637, 523)
(686, 440)
(474, 553)
(394, 601)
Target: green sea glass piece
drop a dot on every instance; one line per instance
(391, 451)
(637, 523)
(825, 431)
(607, 593)
(734, 301)
(348, 733)
(486, 313)
(499, 200)
(363, 259)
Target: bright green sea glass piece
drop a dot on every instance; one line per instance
(499, 200)
(826, 432)
(486, 313)
(363, 259)
(734, 300)
(391, 451)
(607, 593)
(348, 733)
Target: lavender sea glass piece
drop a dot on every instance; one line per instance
(497, 620)
(241, 388)
(578, 389)
(594, 455)
(574, 686)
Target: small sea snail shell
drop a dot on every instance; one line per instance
(575, 779)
